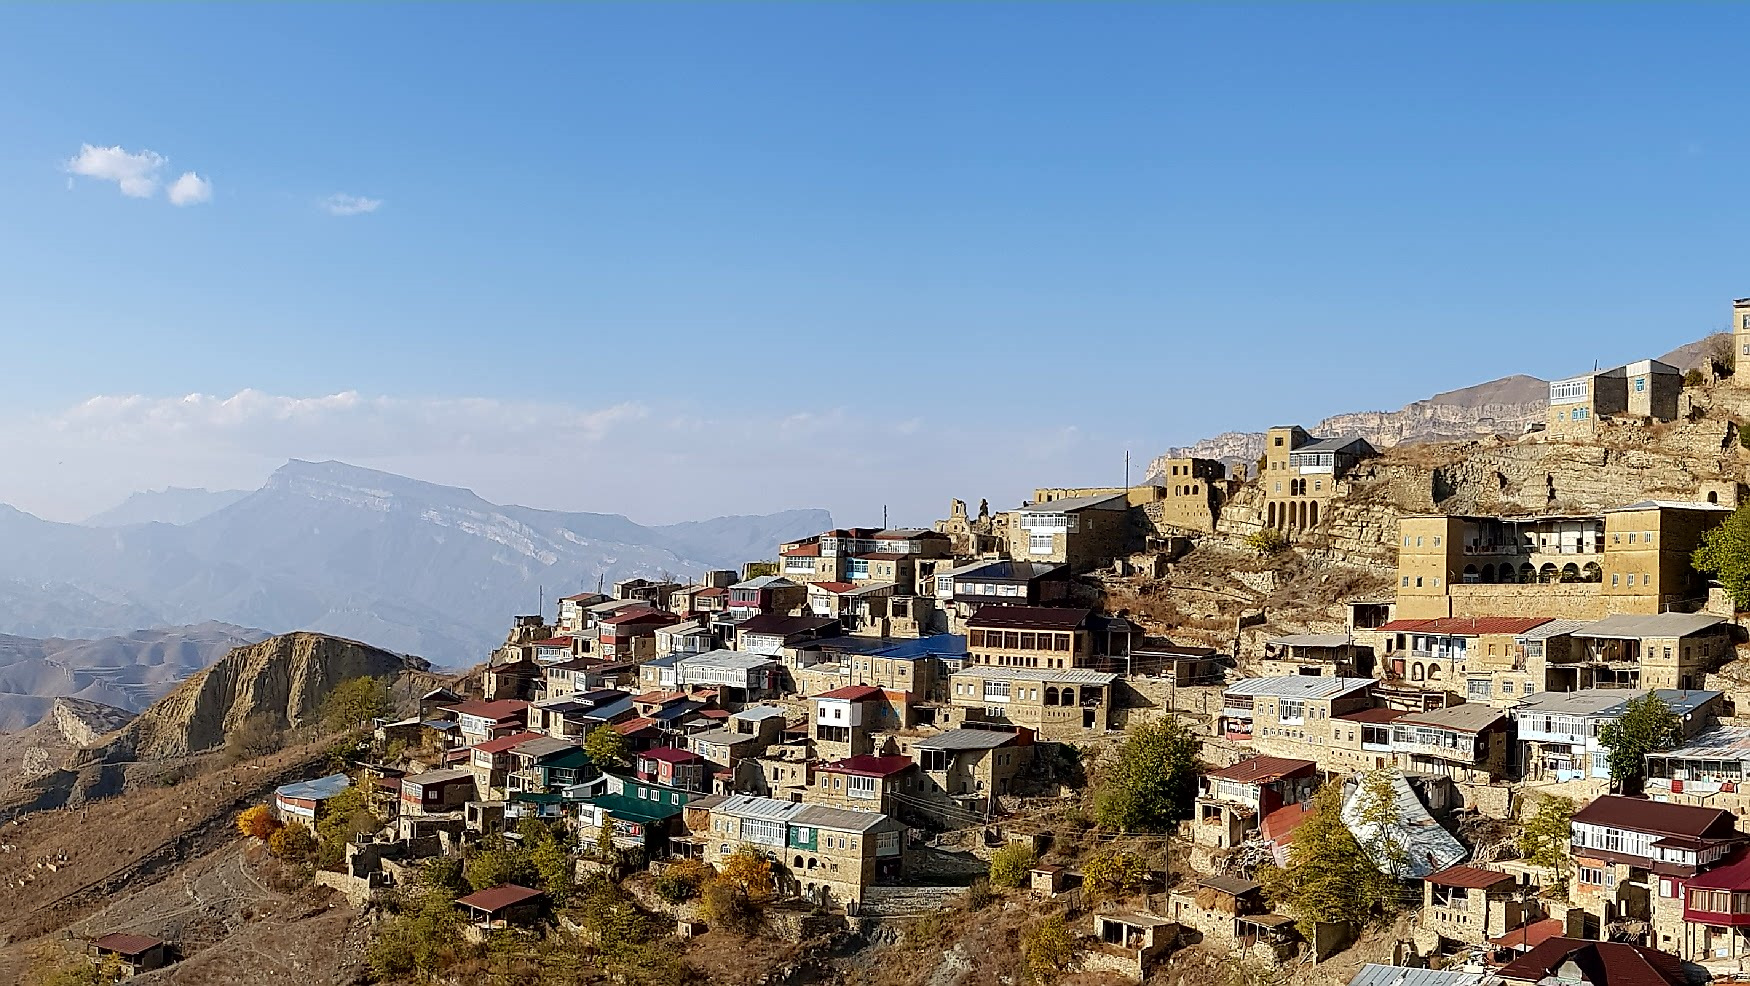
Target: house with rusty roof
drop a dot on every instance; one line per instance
(131, 955)
(1575, 962)
(1232, 800)
(867, 782)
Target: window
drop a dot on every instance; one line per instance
(1593, 875)
(1418, 582)
(1418, 542)
(1039, 544)
(1614, 578)
(1436, 540)
(1631, 578)
(1640, 385)
(995, 691)
(860, 787)
(1631, 537)
(1406, 581)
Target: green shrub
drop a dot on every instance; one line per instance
(1267, 541)
(1011, 865)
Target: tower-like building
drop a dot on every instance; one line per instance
(1741, 341)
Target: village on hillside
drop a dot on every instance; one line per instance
(1436, 715)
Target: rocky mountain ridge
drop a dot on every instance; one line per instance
(333, 548)
(281, 681)
(1499, 407)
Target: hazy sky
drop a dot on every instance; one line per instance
(675, 260)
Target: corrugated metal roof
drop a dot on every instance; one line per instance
(495, 899)
(1030, 617)
(1468, 718)
(1069, 504)
(1719, 743)
(732, 660)
(129, 945)
(1657, 817)
(432, 777)
(1299, 686)
(1393, 975)
(1470, 877)
(1554, 628)
(1313, 640)
(757, 713)
(1262, 769)
(838, 819)
(316, 790)
(753, 806)
(965, 739)
(1671, 505)
(1626, 627)
(1467, 626)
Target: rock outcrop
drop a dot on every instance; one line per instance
(282, 680)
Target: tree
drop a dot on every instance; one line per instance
(1329, 876)
(607, 749)
(1694, 378)
(1725, 552)
(256, 736)
(733, 898)
(500, 861)
(1647, 725)
(257, 822)
(1267, 541)
(554, 866)
(1544, 838)
(419, 940)
(681, 880)
(1152, 783)
(353, 703)
(343, 816)
(1114, 873)
(292, 843)
(1012, 865)
(1049, 949)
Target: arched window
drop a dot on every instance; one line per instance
(1314, 514)
(1713, 497)
(1547, 573)
(1570, 572)
(1416, 671)
(1592, 573)
(1069, 695)
(1527, 574)
(1471, 574)
(1050, 695)
(1488, 575)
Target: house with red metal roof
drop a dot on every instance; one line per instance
(132, 954)
(630, 635)
(866, 782)
(1449, 648)
(1624, 845)
(1714, 908)
(479, 721)
(674, 768)
(1594, 963)
(846, 719)
(1232, 800)
(496, 908)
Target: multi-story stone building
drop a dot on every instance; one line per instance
(1291, 715)
(1056, 703)
(1083, 532)
(1466, 905)
(1645, 389)
(1232, 800)
(1630, 559)
(1192, 493)
(1664, 650)
(1463, 742)
(830, 854)
(1630, 854)
(1300, 474)
(1557, 732)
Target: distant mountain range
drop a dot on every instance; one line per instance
(406, 565)
(128, 672)
(174, 505)
(1503, 406)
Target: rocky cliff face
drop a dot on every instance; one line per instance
(283, 680)
(1501, 407)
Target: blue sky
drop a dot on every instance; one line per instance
(931, 249)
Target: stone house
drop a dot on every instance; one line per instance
(437, 792)
(132, 954)
(304, 801)
(965, 589)
(1083, 533)
(871, 783)
(1192, 493)
(630, 635)
(1129, 944)
(1712, 770)
(765, 595)
(1334, 655)
(769, 634)
(1056, 704)
(1446, 650)
(845, 720)
(1557, 732)
(1645, 389)
(1629, 559)
(1463, 742)
(1047, 637)
(1664, 650)
(1467, 905)
(1232, 800)
(1291, 715)
(669, 767)
(492, 761)
(1301, 473)
(828, 854)
(970, 768)
(1707, 920)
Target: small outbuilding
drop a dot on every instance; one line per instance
(134, 954)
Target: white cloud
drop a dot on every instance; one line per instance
(341, 204)
(135, 174)
(674, 463)
(190, 189)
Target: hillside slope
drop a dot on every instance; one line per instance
(173, 505)
(282, 680)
